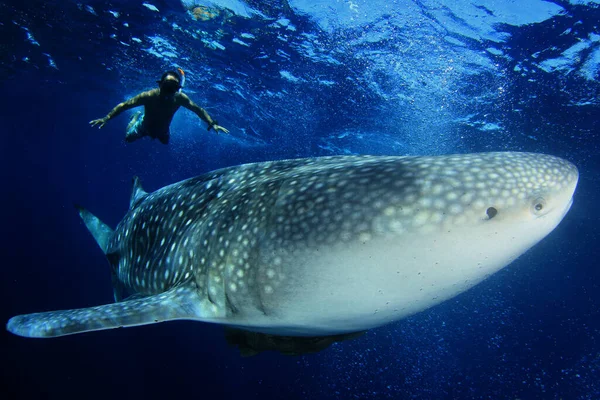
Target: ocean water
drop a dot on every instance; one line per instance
(297, 78)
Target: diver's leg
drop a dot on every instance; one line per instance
(134, 128)
(134, 118)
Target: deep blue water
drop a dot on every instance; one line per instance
(292, 79)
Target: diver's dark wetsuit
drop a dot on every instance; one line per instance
(156, 119)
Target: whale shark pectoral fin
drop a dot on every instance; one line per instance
(182, 302)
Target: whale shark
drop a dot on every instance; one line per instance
(318, 247)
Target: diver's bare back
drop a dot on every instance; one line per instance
(159, 111)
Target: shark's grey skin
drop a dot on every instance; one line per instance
(319, 247)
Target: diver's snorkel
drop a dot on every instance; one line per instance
(181, 78)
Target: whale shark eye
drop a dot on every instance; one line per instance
(539, 206)
(491, 212)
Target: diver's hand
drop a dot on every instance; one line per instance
(219, 128)
(98, 122)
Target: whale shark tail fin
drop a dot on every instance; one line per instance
(99, 230)
(137, 193)
(182, 302)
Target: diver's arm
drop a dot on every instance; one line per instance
(186, 102)
(135, 101)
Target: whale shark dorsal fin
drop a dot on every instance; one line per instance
(99, 230)
(137, 193)
(181, 302)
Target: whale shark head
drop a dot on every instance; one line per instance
(516, 198)
(389, 237)
(319, 247)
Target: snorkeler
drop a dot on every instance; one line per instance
(159, 107)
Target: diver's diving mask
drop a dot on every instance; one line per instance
(170, 86)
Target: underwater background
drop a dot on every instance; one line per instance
(297, 78)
